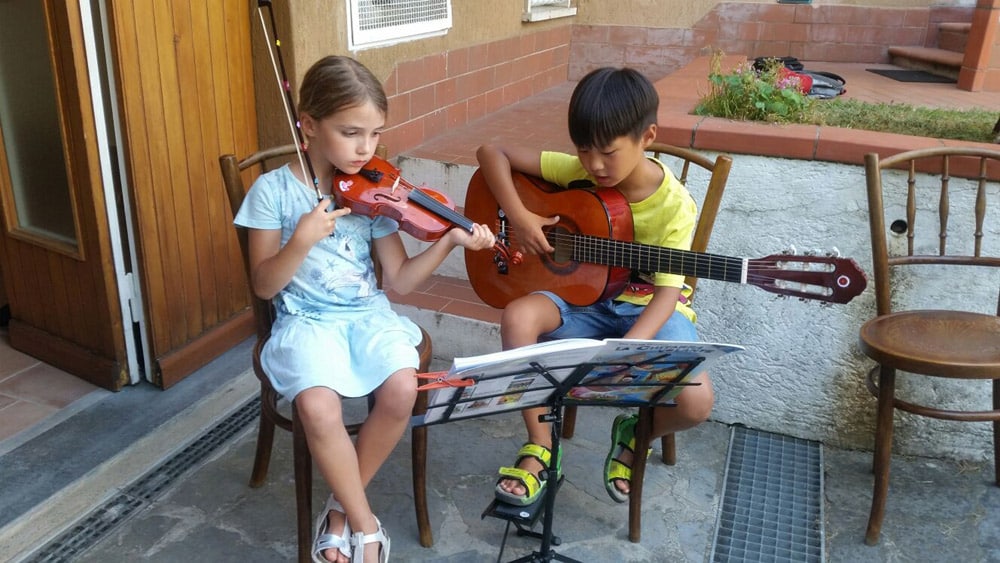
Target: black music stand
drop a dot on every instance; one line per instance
(611, 372)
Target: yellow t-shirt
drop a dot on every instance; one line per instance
(666, 219)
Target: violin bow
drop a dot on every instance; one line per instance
(278, 65)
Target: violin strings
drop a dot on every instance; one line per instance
(431, 204)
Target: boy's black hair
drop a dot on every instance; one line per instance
(610, 103)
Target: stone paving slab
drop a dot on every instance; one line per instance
(937, 511)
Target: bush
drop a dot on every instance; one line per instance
(772, 94)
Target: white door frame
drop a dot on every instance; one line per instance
(126, 271)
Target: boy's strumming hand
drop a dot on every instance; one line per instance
(530, 229)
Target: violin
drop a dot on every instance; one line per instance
(424, 213)
(379, 189)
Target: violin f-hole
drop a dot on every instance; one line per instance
(380, 195)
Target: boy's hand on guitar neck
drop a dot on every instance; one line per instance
(529, 229)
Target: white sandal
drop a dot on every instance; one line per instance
(360, 539)
(325, 540)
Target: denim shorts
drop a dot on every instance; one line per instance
(612, 319)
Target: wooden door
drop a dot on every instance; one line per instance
(183, 95)
(185, 81)
(54, 243)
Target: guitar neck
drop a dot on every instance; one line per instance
(648, 258)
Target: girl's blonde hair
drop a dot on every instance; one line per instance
(334, 83)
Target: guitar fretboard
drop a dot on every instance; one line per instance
(648, 258)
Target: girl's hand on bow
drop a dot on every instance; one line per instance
(318, 223)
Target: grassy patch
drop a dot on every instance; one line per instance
(936, 123)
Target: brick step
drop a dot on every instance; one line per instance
(935, 61)
(953, 36)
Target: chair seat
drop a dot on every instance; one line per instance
(955, 344)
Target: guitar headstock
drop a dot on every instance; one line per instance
(829, 278)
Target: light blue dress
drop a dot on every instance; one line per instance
(334, 327)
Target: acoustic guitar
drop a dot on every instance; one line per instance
(594, 253)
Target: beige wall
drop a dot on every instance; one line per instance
(657, 36)
(320, 29)
(675, 13)
(642, 13)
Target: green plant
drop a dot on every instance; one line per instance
(747, 95)
(771, 94)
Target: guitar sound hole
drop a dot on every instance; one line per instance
(561, 261)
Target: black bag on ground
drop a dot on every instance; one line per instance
(825, 85)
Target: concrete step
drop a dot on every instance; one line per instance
(941, 62)
(953, 36)
(450, 179)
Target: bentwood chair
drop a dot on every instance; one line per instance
(932, 250)
(270, 416)
(718, 171)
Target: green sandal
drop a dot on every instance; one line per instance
(622, 439)
(535, 486)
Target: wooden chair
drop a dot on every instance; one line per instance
(709, 208)
(904, 335)
(270, 415)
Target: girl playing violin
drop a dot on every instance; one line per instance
(335, 335)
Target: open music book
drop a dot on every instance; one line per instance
(608, 372)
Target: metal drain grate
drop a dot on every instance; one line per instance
(105, 518)
(772, 503)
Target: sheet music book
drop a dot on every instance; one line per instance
(614, 371)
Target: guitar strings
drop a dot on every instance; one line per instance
(632, 255)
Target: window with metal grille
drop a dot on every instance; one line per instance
(540, 10)
(383, 22)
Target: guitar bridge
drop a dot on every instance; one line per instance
(502, 257)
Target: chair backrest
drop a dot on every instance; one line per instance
(236, 190)
(708, 210)
(937, 218)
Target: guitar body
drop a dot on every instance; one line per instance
(595, 254)
(602, 213)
